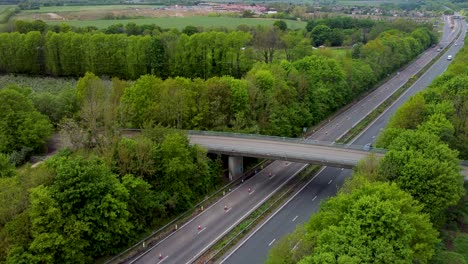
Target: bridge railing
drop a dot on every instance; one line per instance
(288, 140)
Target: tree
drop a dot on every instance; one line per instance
(7, 169)
(144, 204)
(336, 37)
(437, 124)
(410, 114)
(281, 25)
(320, 34)
(82, 214)
(21, 125)
(420, 164)
(291, 248)
(267, 41)
(140, 101)
(190, 30)
(375, 223)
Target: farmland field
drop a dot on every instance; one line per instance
(58, 9)
(181, 22)
(163, 16)
(368, 3)
(38, 84)
(5, 10)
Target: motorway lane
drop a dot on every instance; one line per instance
(185, 244)
(299, 209)
(254, 249)
(341, 124)
(440, 66)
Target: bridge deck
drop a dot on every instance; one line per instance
(289, 149)
(277, 150)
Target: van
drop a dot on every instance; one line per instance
(449, 57)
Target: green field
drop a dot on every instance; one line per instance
(368, 3)
(58, 9)
(4, 11)
(181, 22)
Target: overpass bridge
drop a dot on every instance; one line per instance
(236, 146)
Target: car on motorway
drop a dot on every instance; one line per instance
(456, 44)
(367, 147)
(439, 49)
(449, 57)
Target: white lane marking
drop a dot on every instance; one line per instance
(227, 210)
(163, 259)
(251, 192)
(271, 243)
(315, 197)
(273, 215)
(251, 210)
(294, 219)
(195, 218)
(330, 181)
(296, 245)
(199, 232)
(394, 102)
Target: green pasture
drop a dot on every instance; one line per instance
(5, 10)
(367, 3)
(181, 22)
(58, 9)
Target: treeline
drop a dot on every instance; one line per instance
(100, 195)
(90, 202)
(441, 109)
(191, 54)
(391, 209)
(274, 98)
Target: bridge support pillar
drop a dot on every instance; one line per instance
(236, 167)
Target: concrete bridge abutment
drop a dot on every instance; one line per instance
(236, 167)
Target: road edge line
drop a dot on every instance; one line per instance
(272, 215)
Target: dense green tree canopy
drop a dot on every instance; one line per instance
(420, 164)
(82, 214)
(21, 125)
(375, 223)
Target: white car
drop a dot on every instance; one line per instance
(367, 147)
(449, 57)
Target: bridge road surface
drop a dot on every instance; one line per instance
(287, 150)
(254, 249)
(185, 245)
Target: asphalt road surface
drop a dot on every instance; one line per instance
(254, 249)
(287, 150)
(192, 239)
